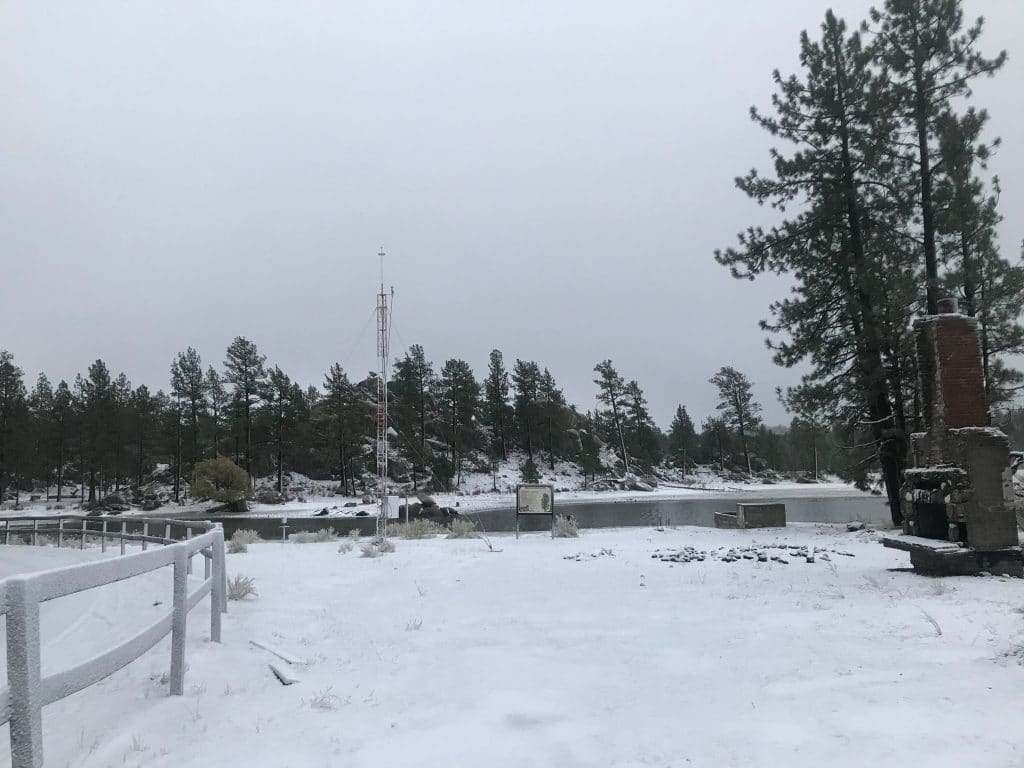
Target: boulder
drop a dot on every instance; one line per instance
(426, 500)
(270, 496)
(639, 485)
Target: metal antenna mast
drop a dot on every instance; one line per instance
(383, 353)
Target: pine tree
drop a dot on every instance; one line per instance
(552, 414)
(349, 420)
(644, 438)
(526, 386)
(412, 389)
(966, 214)
(96, 406)
(145, 430)
(496, 407)
(841, 316)
(243, 369)
(590, 449)
(736, 402)
(189, 385)
(63, 421)
(284, 403)
(219, 402)
(713, 440)
(42, 430)
(932, 59)
(460, 399)
(121, 391)
(682, 439)
(611, 393)
(13, 412)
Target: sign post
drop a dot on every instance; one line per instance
(535, 500)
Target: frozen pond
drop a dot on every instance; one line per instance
(801, 507)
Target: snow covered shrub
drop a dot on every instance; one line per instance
(241, 586)
(377, 547)
(529, 471)
(222, 480)
(241, 539)
(346, 546)
(309, 537)
(354, 534)
(462, 529)
(565, 528)
(325, 700)
(416, 529)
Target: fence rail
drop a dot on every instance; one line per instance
(28, 691)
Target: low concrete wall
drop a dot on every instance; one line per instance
(761, 515)
(696, 510)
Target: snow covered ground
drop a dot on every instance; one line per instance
(579, 652)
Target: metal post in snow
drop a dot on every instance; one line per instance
(81, 544)
(23, 673)
(179, 615)
(188, 535)
(35, 532)
(124, 532)
(60, 533)
(145, 535)
(103, 538)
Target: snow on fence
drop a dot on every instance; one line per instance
(21, 703)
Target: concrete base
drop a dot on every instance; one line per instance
(942, 558)
(753, 516)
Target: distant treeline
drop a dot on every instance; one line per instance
(99, 434)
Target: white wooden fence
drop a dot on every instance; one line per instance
(21, 703)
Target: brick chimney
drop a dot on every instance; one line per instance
(949, 362)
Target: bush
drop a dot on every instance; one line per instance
(241, 539)
(416, 529)
(529, 471)
(241, 587)
(565, 528)
(346, 546)
(462, 529)
(222, 480)
(377, 547)
(309, 537)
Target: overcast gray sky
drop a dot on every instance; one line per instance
(548, 178)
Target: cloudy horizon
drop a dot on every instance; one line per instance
(548, 181)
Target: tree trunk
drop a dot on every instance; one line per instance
(889, 444)
(927, 208)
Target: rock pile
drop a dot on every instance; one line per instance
(777, 553)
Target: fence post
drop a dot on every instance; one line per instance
(60, 533)
(103, 540)
(26, 696)
(188, 535)
(35, 532)
(145, 534)
(218, 593)
(124, 532)
(7, 532)
(81, 544)
(179, 615)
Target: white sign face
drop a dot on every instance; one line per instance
(535, 499)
